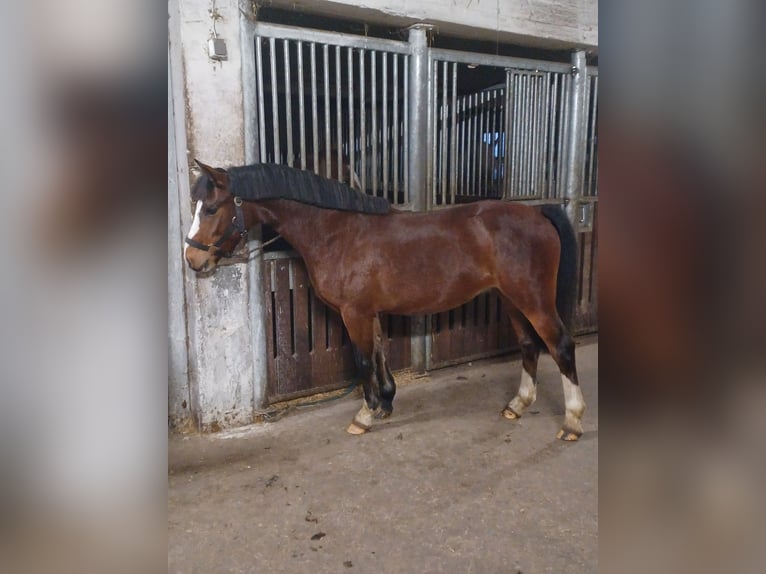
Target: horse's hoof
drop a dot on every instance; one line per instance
(354, 428)
(381, 413)
(568, 435)
(509, 414)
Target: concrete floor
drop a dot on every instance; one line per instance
(446, 485)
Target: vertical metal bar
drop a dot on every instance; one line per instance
(472, 99)
(362, 123)
(351, 142)
(535, 188)
(483, 109)
(576, 137)
(563, 120)
(288, 105)
(528, 135)
(417, 113)
(549, 163)
(327, 123)
(592, 143)
(338, 118)
(374, 113)
(519, 131)
(515, 125)
(396, 127)
(453, 149)
(507, 130)
(274, 100)
(433, 155)
(492, 142)
(443, 155)
(409, 179)
(301, 105)
(260, 96)
(462, 146)
(546, 97)
(314, 117)
(385, 127)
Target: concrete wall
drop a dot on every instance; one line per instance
(539, 23)
(220, 365)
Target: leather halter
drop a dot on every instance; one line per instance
(237, 225)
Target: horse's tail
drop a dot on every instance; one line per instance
(566, 284)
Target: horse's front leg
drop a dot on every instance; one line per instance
(386, 384)
(360, 328)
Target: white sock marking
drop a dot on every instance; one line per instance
(575, 405)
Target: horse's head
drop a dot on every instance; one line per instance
(219, 221)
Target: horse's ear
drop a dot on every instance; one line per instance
(219, 176)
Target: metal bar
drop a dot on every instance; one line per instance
(549, 162)
(417, 113)
(362, 124)
(462, 146)
(396, 127)
(507, 131)
(534, 81)
(260, 96)
(516, 144)
(314, 117)
(453, 150)
(301, 106)
(576, 137)
(351, 142)
(443, 151)
(409, 179)
(385, 127)
(527, 163)
(546, 112)
(374, 113)
(563, 120)
(338, 118)
(482, 152)
(327, 122)
(333, 38)
(432, 141)
(498, 61)
(274, 100)
(472, 99)
(288, 105)
(592, 143)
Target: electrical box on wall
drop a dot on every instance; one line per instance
(216, 49)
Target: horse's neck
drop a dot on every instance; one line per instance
(305, 227)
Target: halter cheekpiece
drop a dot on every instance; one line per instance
(237, 225)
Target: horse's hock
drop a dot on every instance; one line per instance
(424, 126)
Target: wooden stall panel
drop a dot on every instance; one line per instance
(476, 330)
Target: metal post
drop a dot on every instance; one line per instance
(253, 123)
(418, 127)
(576, 137)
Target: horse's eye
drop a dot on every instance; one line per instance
(211, 210)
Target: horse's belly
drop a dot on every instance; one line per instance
(426, 296)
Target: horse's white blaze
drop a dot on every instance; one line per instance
(575, 405)
(195, 224)
(526, 395)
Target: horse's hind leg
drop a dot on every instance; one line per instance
(530, 352)
(360, 328)
(562, 349)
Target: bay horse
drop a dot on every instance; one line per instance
(365, 258)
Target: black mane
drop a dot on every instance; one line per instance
(272, 181)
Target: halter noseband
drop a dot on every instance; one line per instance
(237, 225)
